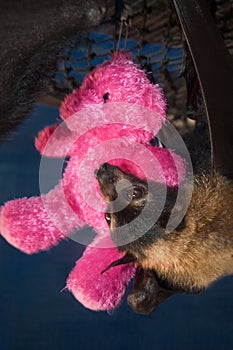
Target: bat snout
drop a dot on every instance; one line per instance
(107, 178)
(106, 174)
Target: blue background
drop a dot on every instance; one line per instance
(35, 314)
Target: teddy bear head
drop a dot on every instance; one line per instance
(112, 117)
(118, 80)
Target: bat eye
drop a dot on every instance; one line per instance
(108, 218)
(134, 193)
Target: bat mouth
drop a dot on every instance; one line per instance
(126, 259)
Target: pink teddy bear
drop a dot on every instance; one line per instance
(112, 117)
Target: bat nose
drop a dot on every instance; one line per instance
(104, 167)
(105, 172)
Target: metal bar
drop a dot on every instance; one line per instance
(214, 68)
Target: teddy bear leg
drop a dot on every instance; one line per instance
(98, 291)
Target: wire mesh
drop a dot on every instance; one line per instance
(149, 30)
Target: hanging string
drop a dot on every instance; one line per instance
(126, 37)
(119, 36)
(124, 17)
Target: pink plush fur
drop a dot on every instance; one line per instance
(123, 81)
(38, 223)
(96, 291)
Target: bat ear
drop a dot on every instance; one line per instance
(126, 259)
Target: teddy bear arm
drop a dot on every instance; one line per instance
(38, 223)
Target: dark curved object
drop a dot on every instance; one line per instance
(146, 293)
(214, 67)
(32, 34)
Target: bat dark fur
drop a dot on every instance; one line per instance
(190, 258)
(32, 35)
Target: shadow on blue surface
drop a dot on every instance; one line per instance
(35, 314)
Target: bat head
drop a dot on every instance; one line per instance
(136, 208)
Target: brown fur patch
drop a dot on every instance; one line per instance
(200, 253)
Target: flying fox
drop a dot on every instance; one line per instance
(189, 259)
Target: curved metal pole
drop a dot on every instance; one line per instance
(214, 67)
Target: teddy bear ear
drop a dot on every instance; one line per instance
(70, 104)
(54, 141)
